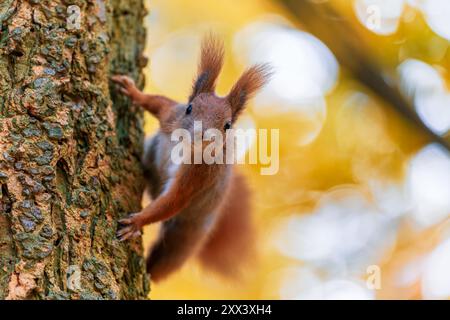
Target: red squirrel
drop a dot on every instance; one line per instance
(204, 208)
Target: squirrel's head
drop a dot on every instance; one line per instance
(204, 105)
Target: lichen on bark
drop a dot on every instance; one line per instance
(69, 150)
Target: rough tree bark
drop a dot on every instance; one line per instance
(69, 149)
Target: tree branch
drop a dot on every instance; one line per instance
(322, 20)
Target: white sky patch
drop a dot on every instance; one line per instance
(383, 16)
(436, 277)
(297, 280)
(434, 110)
(338, 290)
(304, 283)
(437, 13)
(418, 77)
(391, 197)
(410, 274)
(426, 86)
(428, 180)
(343, 235)
(305, 70)
(304, 67)
(380, 16)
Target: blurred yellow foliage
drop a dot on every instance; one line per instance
(352, 142)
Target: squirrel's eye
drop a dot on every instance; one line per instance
(227, 126)
(189, 109)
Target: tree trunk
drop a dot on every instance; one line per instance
(69, 149)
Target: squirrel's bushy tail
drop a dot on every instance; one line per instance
(231, 244)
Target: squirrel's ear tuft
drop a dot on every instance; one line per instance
(248, 84)
(210, 65)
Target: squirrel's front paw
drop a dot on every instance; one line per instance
(130, 227)
(126, 85)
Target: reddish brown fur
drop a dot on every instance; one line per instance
(209, 67)
(231, 244)
(248, 84)
(204, 208)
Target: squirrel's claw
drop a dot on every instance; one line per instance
(129, 229)
(126, 84)
(127, 233)
(125, 81)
